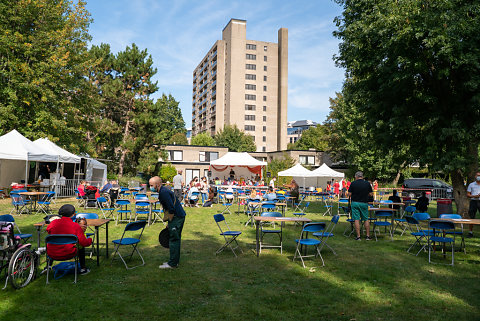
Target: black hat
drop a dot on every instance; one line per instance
(164, 238)
(67, 210)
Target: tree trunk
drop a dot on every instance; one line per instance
(397, 178)
(121, 163)
(460, 192)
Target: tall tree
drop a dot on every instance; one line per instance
(412, 72)
(43, 60)
(316, 137)
(235, 139)
(203, 139)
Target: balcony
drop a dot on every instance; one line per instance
(213, 103)
(214, 83)
(214, 63)
(213, 93)
(214, 73)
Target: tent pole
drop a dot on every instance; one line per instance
(26, 172)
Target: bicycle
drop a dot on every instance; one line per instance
(18, 260)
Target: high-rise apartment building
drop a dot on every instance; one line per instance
(243, 82)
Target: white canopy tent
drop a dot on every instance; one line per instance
(244, 165)
(15, 152)
(63, 155)
(96, 171)
(325, 173)
(301, 175)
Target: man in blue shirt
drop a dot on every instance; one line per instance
(473, 192)
(171, 205)
(271, 196)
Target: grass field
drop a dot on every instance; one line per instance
(365, 281)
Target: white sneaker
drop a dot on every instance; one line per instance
(165, 266)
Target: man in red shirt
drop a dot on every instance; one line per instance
(65, 225)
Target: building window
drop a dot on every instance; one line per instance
(175, 155)
(264, 128)
(264, 149)
(264, 48)
(264, 68)
(250, 77)
(264, 138)
(249, 117)
(213, 156)
(264, 78)
(207, 156)
(191, 173)
(251, 57)
(250, 97)
(249, 107)
(264, 98)
(250, 128)
(264, 58)
(264, 88)
(250, 87)
(251, 67)
(251, 47)
(306, 160)
(264, 108)
(264, 118)
(202, 157)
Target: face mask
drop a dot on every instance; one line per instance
(152, 189)
(477, 178)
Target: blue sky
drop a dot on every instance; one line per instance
(179, 33)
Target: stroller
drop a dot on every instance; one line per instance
(90, 195)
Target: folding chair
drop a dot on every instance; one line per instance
(342, 202)
(9, 218)
(104, 207)
(268, 207)
(264, 231)
(455, 233)
(80, 199)
(123, 208)
(419, 234)
(52, 198)
(142, 196)
(402, 222)
(229, 235)
(44, 204)
(142, 208)
(130, 241)
(19, 204)
(253, 208)
(305, 241)
(61, 239)
(328, 207)
(379, 223)
(442, 227)
(89, 216)
(227, 202)
(328, 233)
(297, 205)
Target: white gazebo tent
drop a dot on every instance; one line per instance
(325, 173)
(244, 165)
(15, 153)
(96, 171)
(300, 174)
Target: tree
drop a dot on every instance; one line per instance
(315, 137)
(280, 164)
(178, 139)
(412, 77)
(167, 172)
(235, 139)
(43, 60)
(203, 139)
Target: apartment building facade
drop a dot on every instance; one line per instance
(243, 82)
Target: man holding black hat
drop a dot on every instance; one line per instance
(65, 225)
(172, 207)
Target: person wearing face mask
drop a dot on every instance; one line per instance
(171, 206)
(473, 193)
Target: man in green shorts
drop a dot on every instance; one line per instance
(359, 192)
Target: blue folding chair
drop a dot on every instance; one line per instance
(61, 239)
(379, 223)
(102, 204)
(328, 207)
(227, 201)
(441, 227)
(455, 233)
(80, 199)
(229, 235)
(328, 233)
(9, 218)
(89, 216)
(142, 208)
(419, 234)
(304, 240)
(342, 202)
(20, 205)
(253, 208)
(123, 207)
(267, 206)
(141, 196)
(264, 231)
(302, 210)
(131, 228)
(402, 222)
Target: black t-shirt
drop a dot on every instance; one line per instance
(360, 190)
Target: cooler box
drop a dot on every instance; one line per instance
(444, 206)
(18, 186)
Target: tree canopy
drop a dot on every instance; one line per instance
(315, 137)
(412, 81)
(235, 139)
(203, 139)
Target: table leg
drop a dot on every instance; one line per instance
(98, 245)
(106, 239)
(257, 236)
(39, 231)
(150, 215)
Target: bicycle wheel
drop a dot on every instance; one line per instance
(21, 269)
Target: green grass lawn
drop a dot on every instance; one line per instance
(365, 281)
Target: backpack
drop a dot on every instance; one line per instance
(64, 268)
